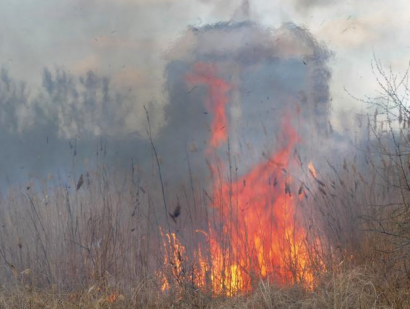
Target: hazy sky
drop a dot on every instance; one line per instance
(129, 41)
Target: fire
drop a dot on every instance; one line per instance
(256, 234)
(112, 298)
(218, 88)
(312, 169)
(173, 259)
(260, 237)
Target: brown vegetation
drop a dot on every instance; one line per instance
(97, 242)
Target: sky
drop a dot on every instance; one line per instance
(127, 44)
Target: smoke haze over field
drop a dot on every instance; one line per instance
(271, 73)
(198, 147)
(77, 74)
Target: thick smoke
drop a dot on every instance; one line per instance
(271, 73)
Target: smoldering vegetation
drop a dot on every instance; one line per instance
(103, 236)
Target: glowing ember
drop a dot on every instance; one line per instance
(112, 298)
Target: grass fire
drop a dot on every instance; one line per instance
(203, 163)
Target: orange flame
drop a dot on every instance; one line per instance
(205, 74)
(312, 169)
(256, 234)
(260, 237)
(112, 298)
(173, 259)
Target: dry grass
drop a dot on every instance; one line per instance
(100, 247)
(98, 244)
(355, 288)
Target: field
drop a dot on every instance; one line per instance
(100, 244)
(307, 218)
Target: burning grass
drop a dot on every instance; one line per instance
(107, 247)
(284, 234)
(97, 247)
(281, 233)
(354, 288)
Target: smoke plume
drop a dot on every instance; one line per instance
(270, 73)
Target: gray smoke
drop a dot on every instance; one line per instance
(308, 4)
(69, 118)
(273, 73)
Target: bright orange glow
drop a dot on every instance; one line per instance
(312, 169)
(260, 236)
(256, 233)
(173, 259)
(206, 75)
(112, 298)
